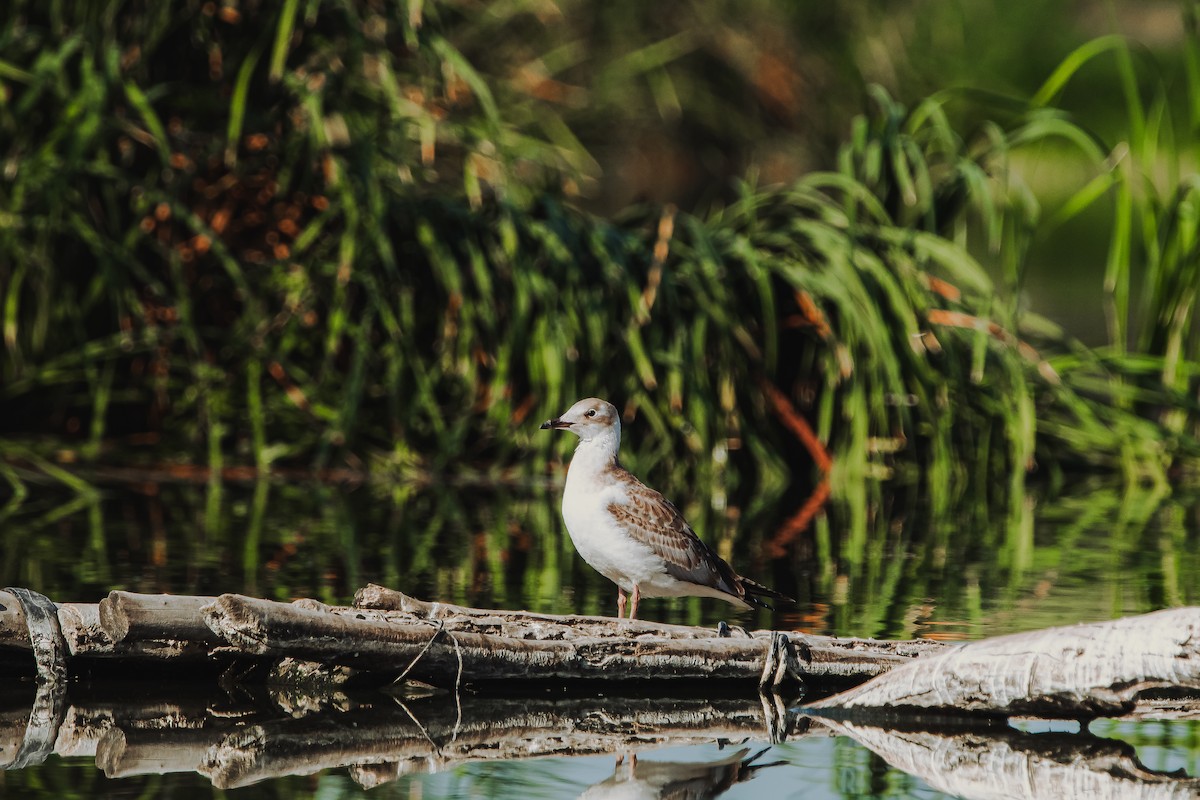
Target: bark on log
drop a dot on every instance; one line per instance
(14, 632)
(16, 650)
(155, 617)
(450, 647)
(80, 624)
(521, 624)
(86, 635)
(818, 657)
(443, 658)
(1078, 671)
(1073, 672)
(164, 628)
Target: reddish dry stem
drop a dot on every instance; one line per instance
(798, 425)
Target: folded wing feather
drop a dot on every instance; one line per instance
(653, 519)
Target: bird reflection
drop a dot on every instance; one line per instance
(676, 780)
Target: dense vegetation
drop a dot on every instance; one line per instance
(342, 235)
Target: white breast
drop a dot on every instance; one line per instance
(602, 543)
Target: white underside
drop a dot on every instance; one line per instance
(605, 545)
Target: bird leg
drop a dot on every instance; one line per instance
(620, 602)
(637, 595)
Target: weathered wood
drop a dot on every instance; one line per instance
(1077, 671)
(14, 632)
(501, 644)
(443, 658)
(44, 634)
(80, 624)
(522, 624)
(819, 657)
(1004, 762)
(155, 617)
(85, 634)
(1071, 672)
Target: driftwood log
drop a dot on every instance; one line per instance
(147, 617)
(387, 634)
(1076, 671)
(447, 645)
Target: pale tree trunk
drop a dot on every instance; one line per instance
(1077, 671)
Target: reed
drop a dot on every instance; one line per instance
(319, 236)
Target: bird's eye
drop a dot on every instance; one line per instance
(591, 412)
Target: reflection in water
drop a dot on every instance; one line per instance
(163, 738)
(642, 779)
(901, 571)
(1004, 762)
(254, 735)
(242, 740)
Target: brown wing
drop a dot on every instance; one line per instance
(653, 519)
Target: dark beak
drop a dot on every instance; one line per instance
(554, 424)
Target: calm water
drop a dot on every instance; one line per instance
(889, 567)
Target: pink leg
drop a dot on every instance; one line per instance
(620, 602)
(637, 594)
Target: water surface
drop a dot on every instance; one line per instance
(900, 570)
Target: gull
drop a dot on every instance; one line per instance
(630, 533)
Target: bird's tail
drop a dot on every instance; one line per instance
(754, 592)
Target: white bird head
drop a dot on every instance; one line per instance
(590, 418)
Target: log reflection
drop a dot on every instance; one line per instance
(236, 742)
(995, 760)
(237, 739)
(681, 780)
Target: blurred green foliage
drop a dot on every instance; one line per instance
(341, 236)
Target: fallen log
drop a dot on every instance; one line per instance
(155, 617)
(817, 658)
(1076, 671)
(430, 653)
(13, 630)
(443, 646)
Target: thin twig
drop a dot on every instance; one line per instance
(457, 694)
(425, 649)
